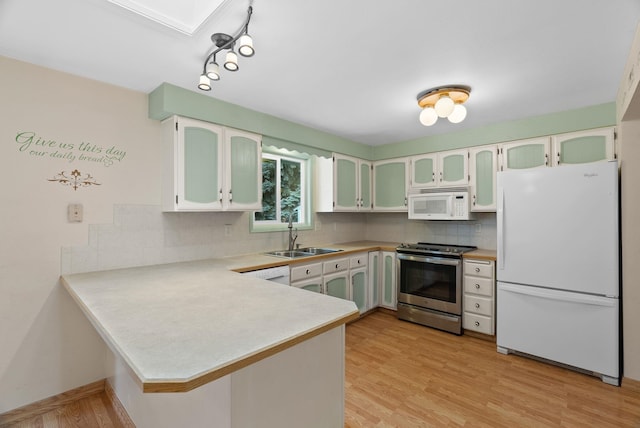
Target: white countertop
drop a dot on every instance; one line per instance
(181, 325)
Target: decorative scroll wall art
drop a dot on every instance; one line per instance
(75, 179)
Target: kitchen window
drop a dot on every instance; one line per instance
(285, 191)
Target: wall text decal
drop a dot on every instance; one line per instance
(34, 145)
(74, 179)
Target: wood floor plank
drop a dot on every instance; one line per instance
(400, 374)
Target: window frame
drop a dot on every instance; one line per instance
(305, 217)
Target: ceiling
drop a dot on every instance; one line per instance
(351, 68)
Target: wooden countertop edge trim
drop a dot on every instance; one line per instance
(155, 387)
(479, 257)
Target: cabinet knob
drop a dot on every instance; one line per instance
(477, 270)
(477, 323)
(477, 286)
(337, 265)
(308, 271)
(477, 305)
(230, 196)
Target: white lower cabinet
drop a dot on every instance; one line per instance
(307, 277)
(358, 281)
(337, 284)
(367, 279)
(478, 300)
(389, 294)
(373, 288)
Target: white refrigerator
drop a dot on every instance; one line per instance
(558, 267)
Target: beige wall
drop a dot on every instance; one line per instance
(46, 345)
(629, 136)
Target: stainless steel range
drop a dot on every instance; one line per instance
(429, 279)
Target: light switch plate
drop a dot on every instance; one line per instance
(74, 213)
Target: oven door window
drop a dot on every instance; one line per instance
(429, 280)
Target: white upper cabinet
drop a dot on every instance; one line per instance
(343, 183)
(390, 184)
(483, 168)
(585, 146)
(209, 167)
(447, 169)
(523, 154)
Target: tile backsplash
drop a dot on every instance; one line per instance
(143, 235)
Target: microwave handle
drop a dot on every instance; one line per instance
(452, 206)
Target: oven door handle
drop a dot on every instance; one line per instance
(432, 260)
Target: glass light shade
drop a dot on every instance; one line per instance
(205, 83)
(213, 71)
(428, 116)
(246, 45)
(444, 106)
(231, 61)
(458, 114)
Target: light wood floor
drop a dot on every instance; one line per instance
(94, 411)
(400, 374)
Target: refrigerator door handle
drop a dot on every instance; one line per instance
(564, 296)
(500, 221)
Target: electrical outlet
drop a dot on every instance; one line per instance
(74, 213)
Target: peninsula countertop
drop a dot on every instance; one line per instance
(181, 325)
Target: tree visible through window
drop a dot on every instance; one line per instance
(282, 190)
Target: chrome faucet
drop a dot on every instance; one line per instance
(292, 237)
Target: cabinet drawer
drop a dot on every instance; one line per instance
(476, 285)
(358, 261)
(479, 323)
(306, 271)
(478, 305)
(335, 265)
(478, 268)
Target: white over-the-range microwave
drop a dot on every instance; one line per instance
(440, 204)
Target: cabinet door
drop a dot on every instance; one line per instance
(345, 182)
(390, 185)
(482, 173)
(359, 288)
(424, 171)
(313, 284)
(197, 169)
(244, 171)
(365, 186)
(389, 294)
(374, 280)
(583, 147)
(337, 285)
(533, 153)
(452, 167)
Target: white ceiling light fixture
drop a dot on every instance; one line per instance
(443, 101)
(222, 41)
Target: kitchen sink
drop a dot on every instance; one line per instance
(301, 252)
(316, 251)
(289, 254)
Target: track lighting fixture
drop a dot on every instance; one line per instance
(211, 69)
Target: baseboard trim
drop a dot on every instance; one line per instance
(117, 406)
(51, 403)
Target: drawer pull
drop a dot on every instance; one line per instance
(477, 270)
(308, 271)
(477, 323)
(477, 286)
(477, 305)
(337, 266)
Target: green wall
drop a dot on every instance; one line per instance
(167, 100)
